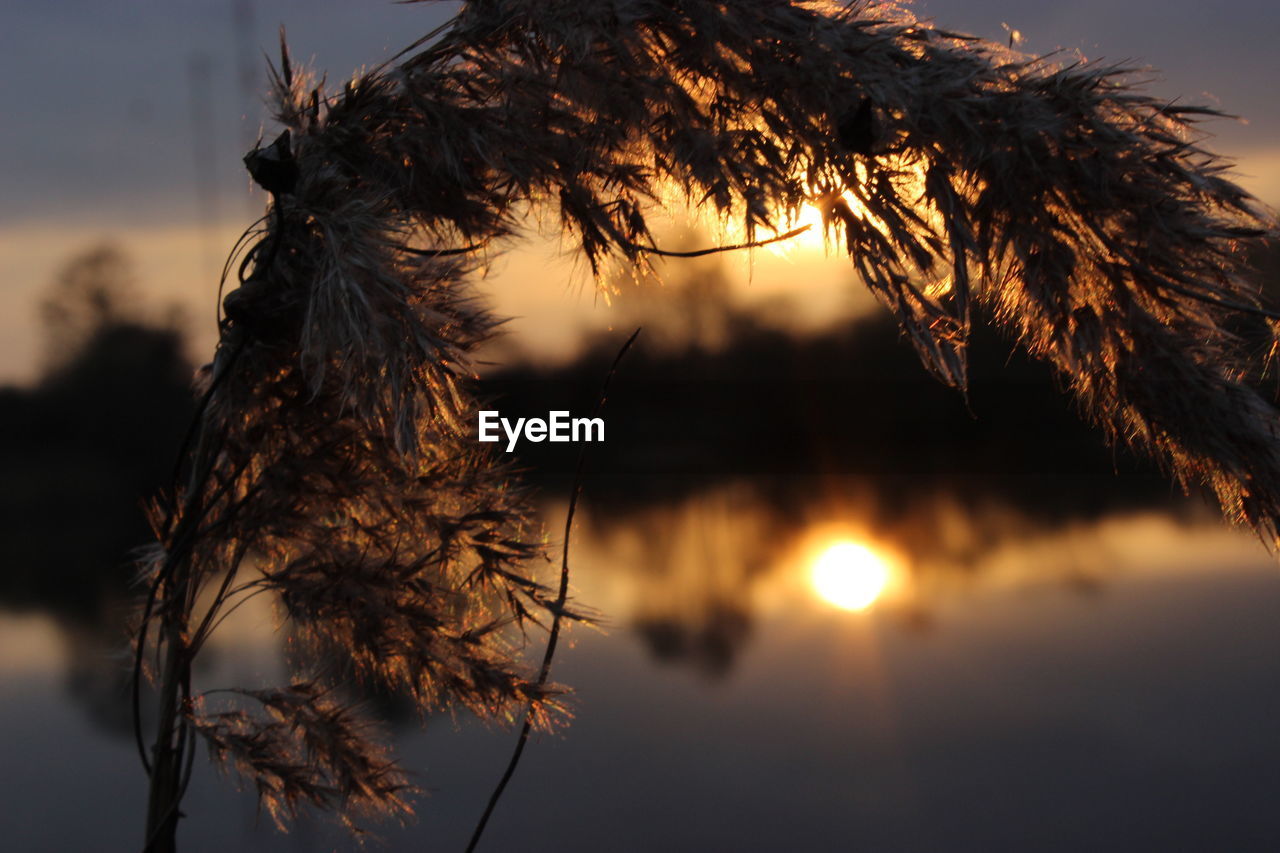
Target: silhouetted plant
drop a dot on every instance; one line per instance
(332, 462)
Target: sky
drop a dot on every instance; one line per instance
(101, 140)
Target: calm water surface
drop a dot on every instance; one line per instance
(1108, 684)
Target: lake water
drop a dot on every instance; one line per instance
(1106, 683)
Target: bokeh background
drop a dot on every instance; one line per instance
(1038, 645)
(125, 123)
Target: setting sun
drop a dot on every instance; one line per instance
(849, 575)
(811, 216)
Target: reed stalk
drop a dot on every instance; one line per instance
(333, 463)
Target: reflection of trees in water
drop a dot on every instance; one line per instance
(692, 566)
(841, 425)
(700, 570)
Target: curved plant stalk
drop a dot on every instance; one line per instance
(333, 466)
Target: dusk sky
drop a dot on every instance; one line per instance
(805, 596)
(99, 131)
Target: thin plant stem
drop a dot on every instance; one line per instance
(698, 253)
(562, 597)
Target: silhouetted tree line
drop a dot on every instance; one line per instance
(84, 447)
(97, 434)
(855, 402)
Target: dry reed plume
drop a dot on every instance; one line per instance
(333, 444)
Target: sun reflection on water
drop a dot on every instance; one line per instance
(849, 575)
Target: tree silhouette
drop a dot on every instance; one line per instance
(87, 443)
(332, 466)
(92, 292)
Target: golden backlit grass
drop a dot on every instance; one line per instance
(333, 446)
